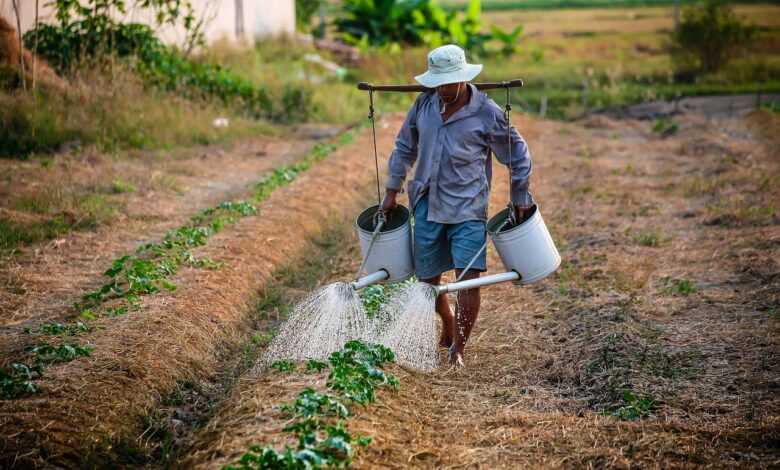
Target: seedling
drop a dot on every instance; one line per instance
(355, 373)
(283, 366)
(46, 353)
(17, 380)
(60, 329)
(634, 407)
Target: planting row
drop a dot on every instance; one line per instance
(146, 272)
(317, 418)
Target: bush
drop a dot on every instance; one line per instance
(709, 35)
(304, 10)
(381, 22)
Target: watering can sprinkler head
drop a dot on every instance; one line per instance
(369, 279)
(477, 282)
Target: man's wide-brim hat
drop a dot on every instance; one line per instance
(447, 64)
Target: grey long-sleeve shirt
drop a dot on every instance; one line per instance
(453, 158)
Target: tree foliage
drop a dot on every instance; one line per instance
(381, 22)
(709, 35)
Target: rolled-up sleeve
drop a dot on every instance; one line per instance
(405, 152)
(520, 162)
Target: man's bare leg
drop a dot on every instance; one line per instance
(466, 316)
(443, 309)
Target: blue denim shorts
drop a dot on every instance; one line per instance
(442, 247)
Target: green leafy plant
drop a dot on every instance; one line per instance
(381, 22)
(634, 407)
(63, 329)
(283, 366)
(709, 35)
(508, 39)
(665, 127)
(16, 380)
(355, 373)
(45, 353)
(314, 365)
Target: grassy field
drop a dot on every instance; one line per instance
(493, 5)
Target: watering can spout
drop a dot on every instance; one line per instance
(477, 282)
(369, 279)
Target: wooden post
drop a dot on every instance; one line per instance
(543, 107)
(239, 19)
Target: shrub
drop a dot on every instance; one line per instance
(381, 22)
(304, 10)
(709, 35)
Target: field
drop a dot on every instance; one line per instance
(143, 276)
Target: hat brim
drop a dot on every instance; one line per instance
(466, 74)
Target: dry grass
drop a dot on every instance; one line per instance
(548, 365)
(93, 402)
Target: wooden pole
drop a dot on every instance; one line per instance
(21, 45)
(419, 88)
(35, 48)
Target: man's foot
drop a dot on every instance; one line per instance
(456, 358)
(445, 342)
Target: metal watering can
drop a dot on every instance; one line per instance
(385, 246)
(526, 250)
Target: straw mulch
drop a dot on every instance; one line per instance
(90, 405)
(549, 365)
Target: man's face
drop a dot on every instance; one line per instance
(449, 91)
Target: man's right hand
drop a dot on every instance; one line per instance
(389, 203)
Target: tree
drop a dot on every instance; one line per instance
(709, 35)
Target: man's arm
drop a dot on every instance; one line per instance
(520, 162)
(402, 159)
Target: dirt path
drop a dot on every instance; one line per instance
(665, 309)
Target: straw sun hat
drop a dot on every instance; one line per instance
(447, 64)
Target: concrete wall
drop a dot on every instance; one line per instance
(260, 18)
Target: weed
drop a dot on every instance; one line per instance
(119, 186)
(634, 407)
(651, 238)
(665, 127)
(680, 286)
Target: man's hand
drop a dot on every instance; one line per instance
(521, 213)
(389, 203)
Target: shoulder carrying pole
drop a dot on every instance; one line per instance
(517, 83)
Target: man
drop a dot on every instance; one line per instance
(450, 133)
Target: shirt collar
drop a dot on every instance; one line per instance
(475, 103)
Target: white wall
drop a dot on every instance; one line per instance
(261, 18)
